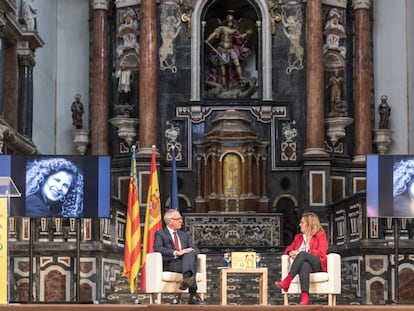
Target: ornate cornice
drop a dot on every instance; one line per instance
(100, 5)
(336, 3)
(14, 140)
(126, 3)
(361, 4)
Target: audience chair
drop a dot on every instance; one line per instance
(159, 281)
(320, 282)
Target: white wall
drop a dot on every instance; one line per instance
(61, 71)
(44, 78)
(392, 48)
(410, 69)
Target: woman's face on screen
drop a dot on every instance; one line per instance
(57, 186)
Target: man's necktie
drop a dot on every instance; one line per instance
(176, 244)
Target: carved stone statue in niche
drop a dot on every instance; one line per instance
(334, 52)
(228, 45)
(384, 111)
(127, 49)
(124, 77)
(338, 107)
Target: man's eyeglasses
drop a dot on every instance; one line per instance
(177, 218)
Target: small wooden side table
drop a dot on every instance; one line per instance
(263, 276)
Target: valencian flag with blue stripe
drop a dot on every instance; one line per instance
(153, 221)
(174, 185)
(132, 248)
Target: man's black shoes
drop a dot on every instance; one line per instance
(187, 282)
(195, 300)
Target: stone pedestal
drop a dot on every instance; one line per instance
(382, 140)
(126, 128)
(81, 140)
(336, 128)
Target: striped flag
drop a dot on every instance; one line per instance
(132, 248)
(174, 186)
(153, 221)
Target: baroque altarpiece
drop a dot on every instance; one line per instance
(268, 107)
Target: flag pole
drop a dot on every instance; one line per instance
(132, 246)
(174, 204)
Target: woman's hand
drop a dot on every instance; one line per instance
(293, 254)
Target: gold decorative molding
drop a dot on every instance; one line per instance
(187, 10)
(11, 138)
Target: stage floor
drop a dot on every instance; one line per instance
(167, 307)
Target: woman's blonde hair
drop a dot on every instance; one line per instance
(313, 224)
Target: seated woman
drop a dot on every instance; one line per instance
(54, 188)
(308, 254)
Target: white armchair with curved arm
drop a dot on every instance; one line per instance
(159, 281)
(320, 282)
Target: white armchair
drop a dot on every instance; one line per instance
(320, 282)
(159, 281)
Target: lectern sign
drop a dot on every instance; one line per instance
(3, 251)
(7, 190)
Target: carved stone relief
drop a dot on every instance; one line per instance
(170, 28)
(127, 49)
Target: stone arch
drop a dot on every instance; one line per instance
(181, 198)
(287, 205)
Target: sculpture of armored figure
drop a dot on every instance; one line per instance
(230, 51)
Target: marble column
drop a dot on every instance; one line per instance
(362, 80)
(315, 133)
(11, 85)
(264, 177)
(99, 107)
(148, 75)
(198, 177)
(249, 173)
(213, 181)
(25, 99)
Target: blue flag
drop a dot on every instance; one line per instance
(174, 186)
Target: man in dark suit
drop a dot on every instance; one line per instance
(178, 252)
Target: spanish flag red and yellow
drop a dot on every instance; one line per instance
(153, 221)
(132, 248)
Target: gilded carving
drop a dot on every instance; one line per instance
(187, 9)
(232, 176)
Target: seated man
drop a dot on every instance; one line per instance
(178, 252)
